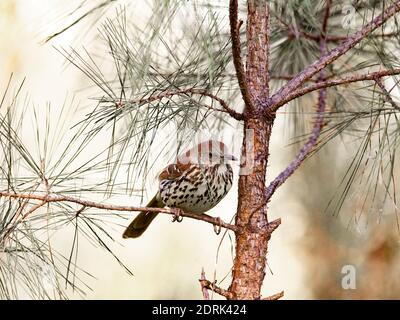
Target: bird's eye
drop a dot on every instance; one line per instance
(210, 155)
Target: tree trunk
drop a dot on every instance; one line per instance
(252, 242)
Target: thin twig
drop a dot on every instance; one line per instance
(318, 124)
(294, 32)
(78, 213)
(236, 52)
(33, 209)
(331, 38)
(16, 222)
(204, 290)
(334, 82)
(92, 204)
(326, 18)
(304, 151)
(275, 296)
(273, 225)
(169, 94)
(388, 97)
(213, 287)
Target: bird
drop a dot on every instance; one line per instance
(198, 180)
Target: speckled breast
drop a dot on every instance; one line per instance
(198, 189)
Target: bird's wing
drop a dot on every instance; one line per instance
(174, 171)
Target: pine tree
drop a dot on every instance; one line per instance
(233, 66)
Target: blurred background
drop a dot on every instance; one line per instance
(307, 254)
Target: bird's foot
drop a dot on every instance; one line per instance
(177, 214)
(218, 227)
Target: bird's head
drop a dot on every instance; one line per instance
(209, 152)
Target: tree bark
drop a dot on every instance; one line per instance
(252, 242)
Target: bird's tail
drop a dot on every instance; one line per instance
(143, 220)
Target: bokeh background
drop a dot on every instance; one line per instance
(307, 252)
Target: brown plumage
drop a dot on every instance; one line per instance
(200, 178)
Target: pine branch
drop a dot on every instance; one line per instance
(335, 82)
(331, 38)
(270, 105)
(304, 151)
(111, 207)
(318, 124)
(236, 52)
(236, 115)
(294, 32)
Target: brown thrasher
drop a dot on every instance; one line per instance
(198, 180)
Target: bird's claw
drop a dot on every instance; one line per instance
(217, 227)
(177, 214)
